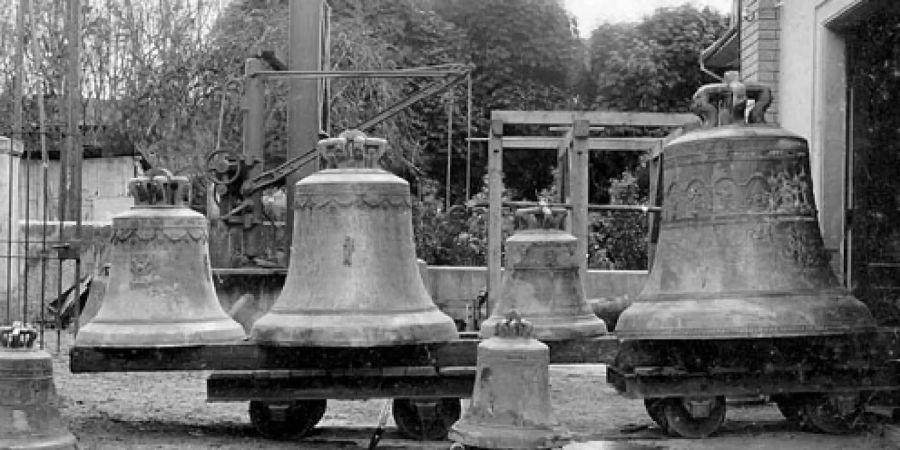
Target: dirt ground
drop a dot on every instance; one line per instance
(168, 410)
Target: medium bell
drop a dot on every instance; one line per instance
(740, 254)
(542, 280)
(353, 280)
(160, 291)
(29, 416)
(511, 402)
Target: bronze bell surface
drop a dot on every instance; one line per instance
(740, 253)
(353, 279)
(542, 280)
(510, 405)
(160, 291)
(29, 414)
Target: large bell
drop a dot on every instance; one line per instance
(29, 414)
(511, 402)
(542, 280)
(160, 291)
(740, 254)
(353, 279)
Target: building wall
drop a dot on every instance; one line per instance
(812, 88)
(104, 188)
(760, 47)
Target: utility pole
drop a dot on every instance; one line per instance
(304, 113)
(70, 157)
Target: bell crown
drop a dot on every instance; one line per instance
(352, 149)
(158, 187)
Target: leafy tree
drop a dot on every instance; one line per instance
(652, 65)
(527, 56)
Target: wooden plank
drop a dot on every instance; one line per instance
(95, 359)
(495, 217)
(735, 385)
(562, 167)
(224, 388)
(346, 361)
(596, 118)
(579, 158)
(654, 199)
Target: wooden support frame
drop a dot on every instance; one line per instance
(573, 155)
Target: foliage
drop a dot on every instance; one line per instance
(528, 57)
(165, 78)
(619, 240)
(653, 65)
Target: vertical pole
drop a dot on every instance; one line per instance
(449, 154)
(303, 128)
(495, 211)
(254, 145)
(18, 120)
(653, 218)
(45, 163)
(469, 136)
(73, 141)
(580, 157)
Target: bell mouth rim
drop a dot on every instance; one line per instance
(686, 334)
(742, 295)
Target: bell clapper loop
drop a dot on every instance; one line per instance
(18, 336)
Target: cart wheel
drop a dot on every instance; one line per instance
(693, 417)
(426, 419)
(654, 407)
(288, 420)
(790, 406)
(835, 413)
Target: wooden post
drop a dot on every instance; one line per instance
(654, 198)
(579, 156)
(495, 211)
(562, 168)
(305, 48)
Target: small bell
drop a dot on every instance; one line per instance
(511, 403)
(542, 279)
(29, 414)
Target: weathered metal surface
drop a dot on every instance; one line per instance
(511, 402)
(29, 413)
(160, 290)
(353, 280)
(740, 253)
(543, 281)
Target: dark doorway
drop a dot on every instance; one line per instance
(873, 55)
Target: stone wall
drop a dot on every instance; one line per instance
(9, 235)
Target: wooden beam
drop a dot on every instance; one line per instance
(579, 157)
(596, 118)
(562, 167)
(655, 200)
(343, 361)
(232, 388)
(495, 214)
(595, 144)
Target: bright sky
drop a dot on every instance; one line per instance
(591, 13)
